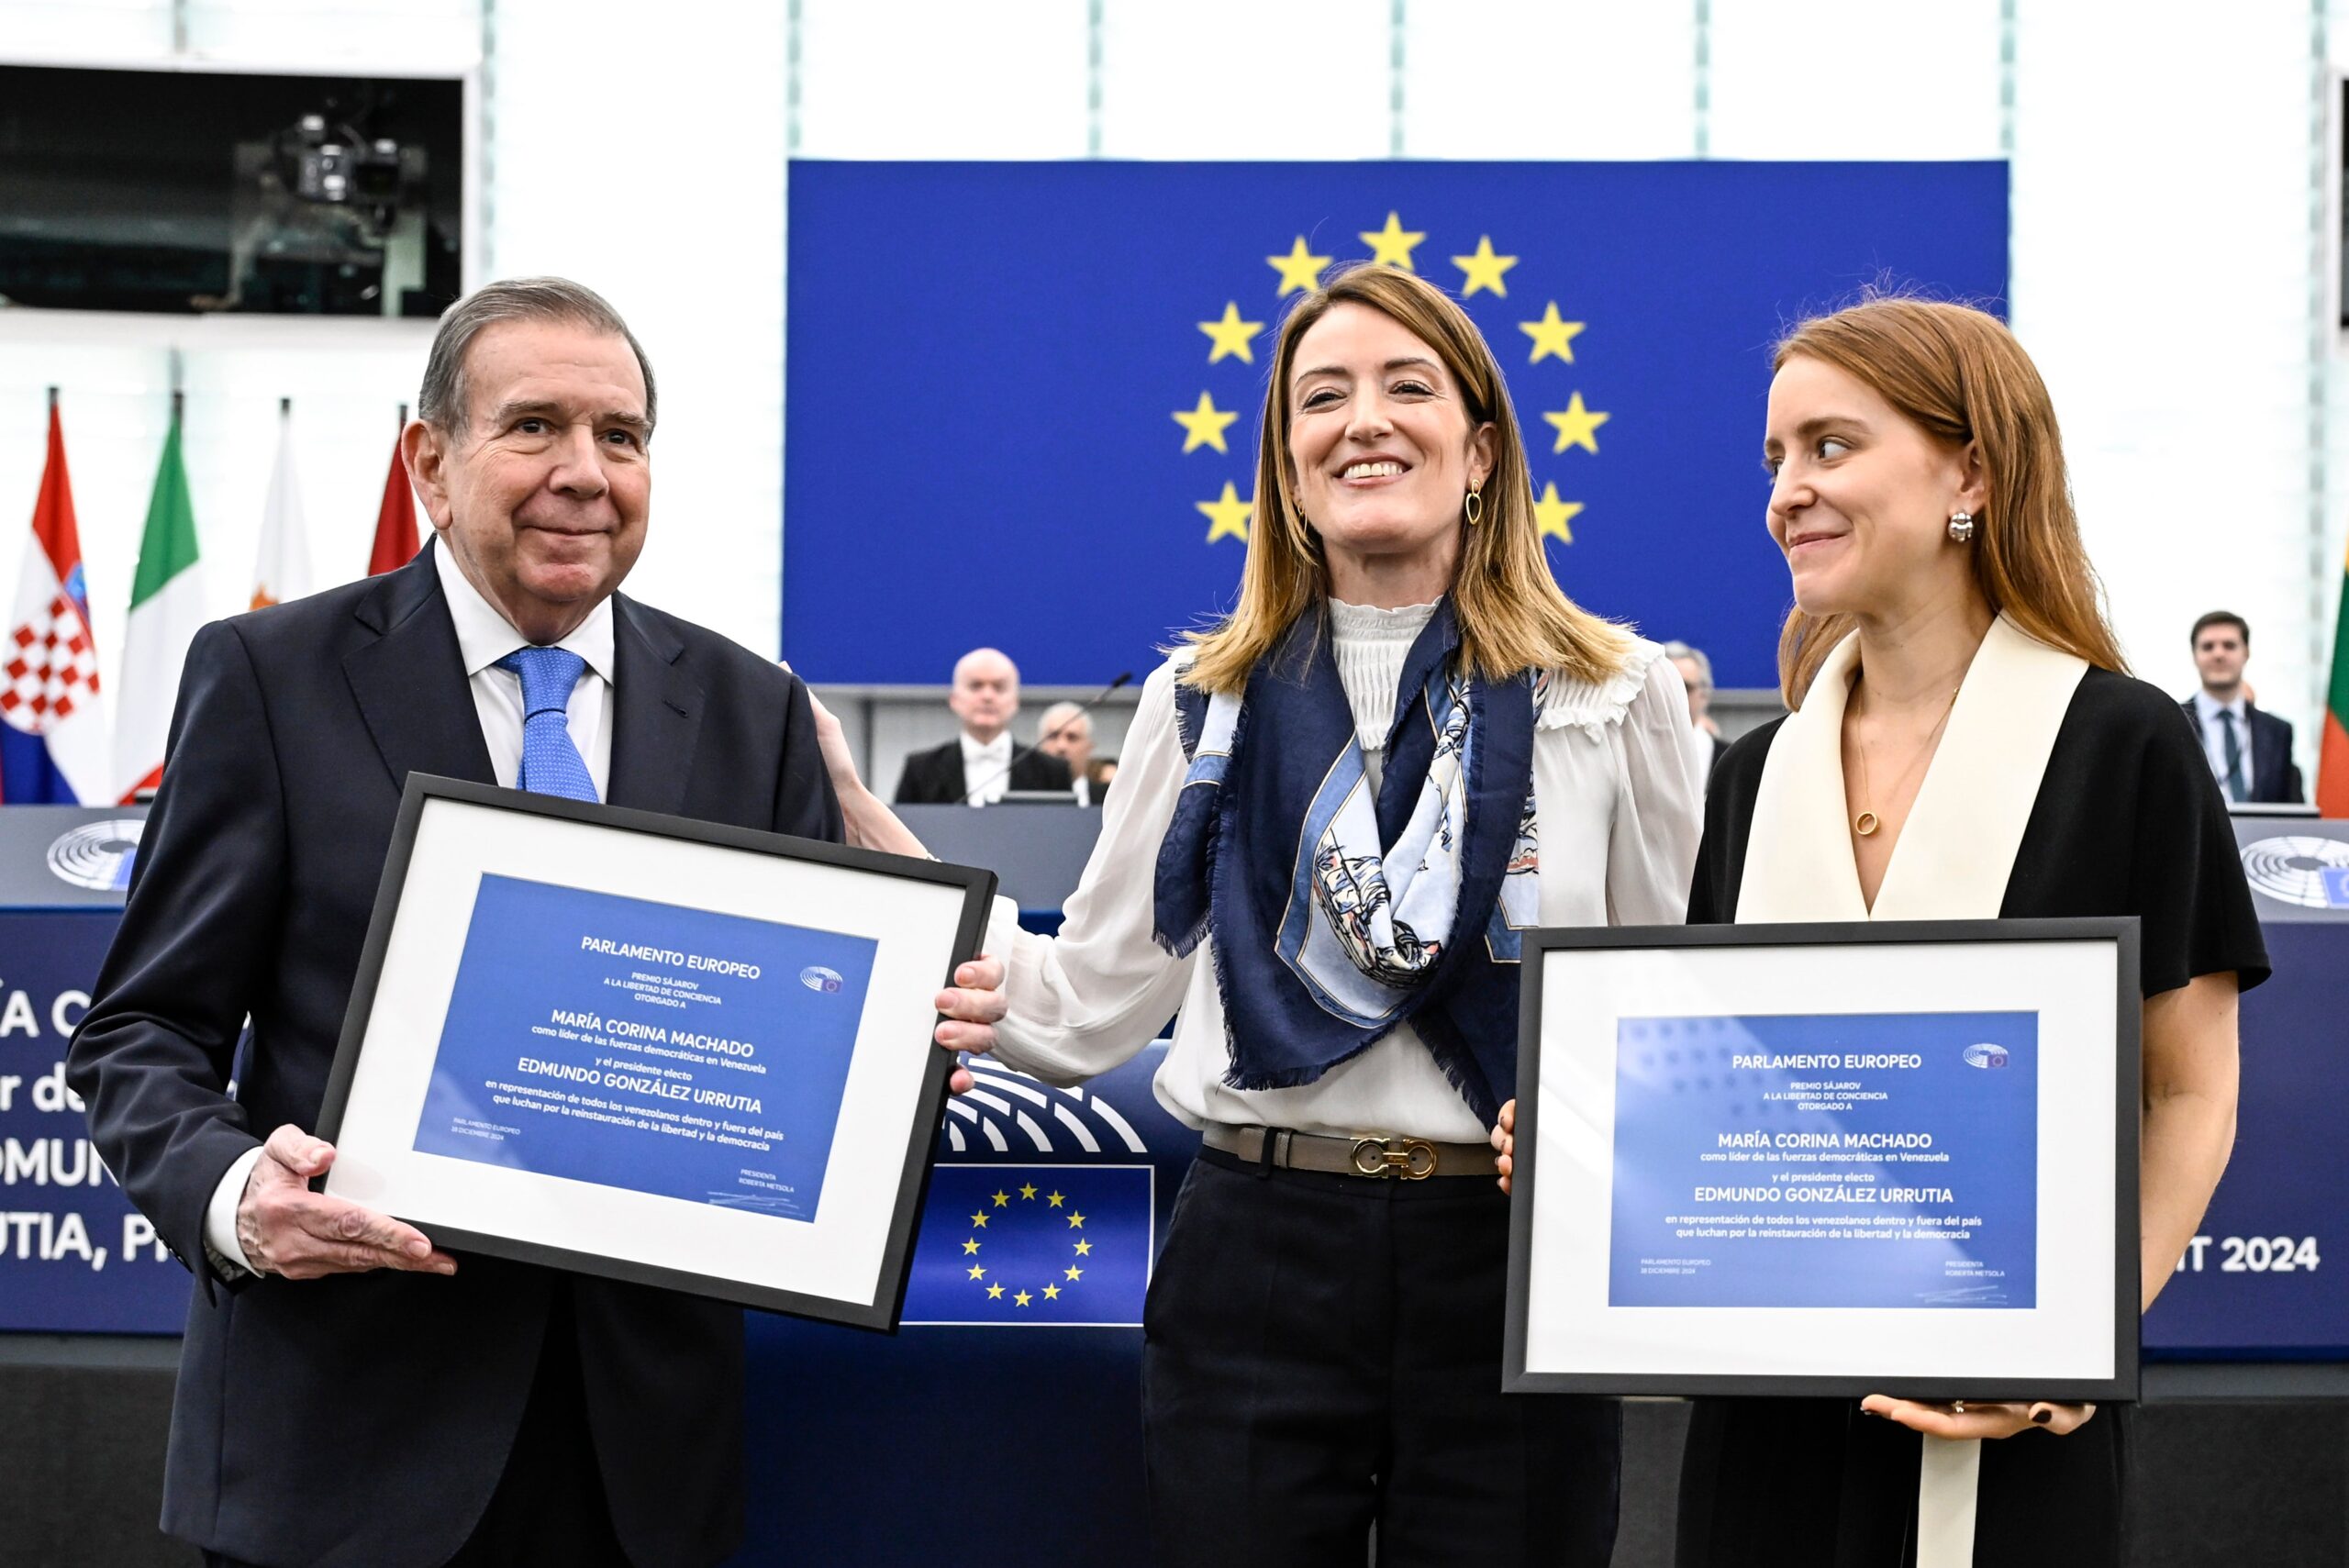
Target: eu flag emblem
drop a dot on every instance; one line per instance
(1048, 375)
(1067, 1246)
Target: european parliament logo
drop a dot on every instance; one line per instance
(1062, 1238)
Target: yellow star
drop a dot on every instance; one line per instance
(1203, 426)
(1392, 244)
(1300, 268)
(1002, 1199)
(971, 1246)
(995, 1292)
(1230, 335)
(1028, 1192)
(1484, 269)
(1052, 1292)
(1023, 1299)
(1083, 1247)
(1577, 427)
(1227, 515)
(977, 1272)
(1056, 1200)
(1076, 1222)
(1072, 1272)
(980, 1219)
(1550, 516)
(1551, 335)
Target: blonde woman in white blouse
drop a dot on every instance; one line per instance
(1328, 889)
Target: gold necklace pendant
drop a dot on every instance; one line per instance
(1865, 823)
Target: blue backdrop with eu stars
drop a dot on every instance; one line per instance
(1022, 397)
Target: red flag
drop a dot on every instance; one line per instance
(395, 540)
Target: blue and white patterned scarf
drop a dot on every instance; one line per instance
(1336, 916)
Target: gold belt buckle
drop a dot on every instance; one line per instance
(1397, 1159)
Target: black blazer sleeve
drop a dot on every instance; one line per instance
(152, 1058)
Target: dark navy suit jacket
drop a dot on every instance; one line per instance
(362, 1420)
(935, 777)
(2275, 777)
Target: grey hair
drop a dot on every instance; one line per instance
(1058, 715)
(442, 399)
(1694, 656)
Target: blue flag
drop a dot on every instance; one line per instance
(1066, 1246)
(1023, 397)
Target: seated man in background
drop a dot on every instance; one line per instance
(2250, 749)
(980, 765)
(1066, 732)
(1696, 674)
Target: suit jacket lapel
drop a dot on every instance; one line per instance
(657, 708)
(957, 778)
(411, 681)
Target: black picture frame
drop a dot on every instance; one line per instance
(2121, 1386)
(883, 1308)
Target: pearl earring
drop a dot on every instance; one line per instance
(1961, 526)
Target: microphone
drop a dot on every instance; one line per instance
(1054, 733)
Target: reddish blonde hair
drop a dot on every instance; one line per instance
(1959, 375)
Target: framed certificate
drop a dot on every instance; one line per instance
(1832, 1160)
(686, 1055)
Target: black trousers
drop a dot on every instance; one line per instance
(1321, 1360)
(548, 1509)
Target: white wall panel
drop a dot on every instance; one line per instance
(1855, 79)
(1539, 79)
(1251, 79)
(942, 78)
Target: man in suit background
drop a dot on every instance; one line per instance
(348, 1394)
(1065, 730)
(2250, 748)
(981, 765)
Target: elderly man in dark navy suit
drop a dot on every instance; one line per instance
(349, 1394)
(2250, 748)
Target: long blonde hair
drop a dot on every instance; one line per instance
(1511, 614)
(1959, 375)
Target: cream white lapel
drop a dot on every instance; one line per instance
(1957, 852)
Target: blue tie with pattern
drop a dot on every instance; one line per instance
(551, 760)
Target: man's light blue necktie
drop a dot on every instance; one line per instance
(2235, 790)
(551, 760)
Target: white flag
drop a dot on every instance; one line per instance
(283, 572)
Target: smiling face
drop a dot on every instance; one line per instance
(1382, 454)
(1861, 497)
(541, 492)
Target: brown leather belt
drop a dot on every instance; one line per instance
(1379, 1155)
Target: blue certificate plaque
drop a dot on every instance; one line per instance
(682, 1054)
(1826, 1160)
(651, 1046)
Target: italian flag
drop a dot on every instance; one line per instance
(166, 609)
(2332, 759)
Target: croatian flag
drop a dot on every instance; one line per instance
(52, 725)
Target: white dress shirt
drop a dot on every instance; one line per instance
(987, 770)
(2215, 735)
(484, 636)
(1617, 791)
